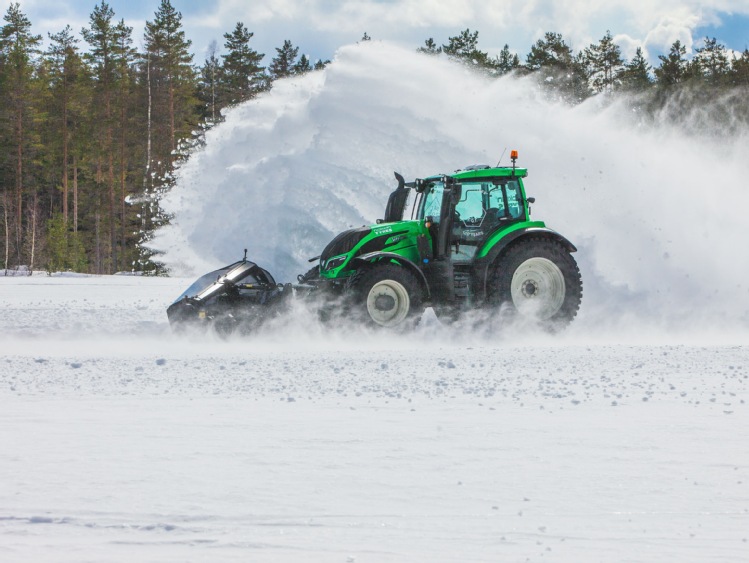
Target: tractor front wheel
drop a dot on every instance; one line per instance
(386, 295)
(537, 279)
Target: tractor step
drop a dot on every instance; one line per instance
(462, 282)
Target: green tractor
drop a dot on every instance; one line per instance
(457, 242)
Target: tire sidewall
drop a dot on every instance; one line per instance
(363, 281)
(516, 255)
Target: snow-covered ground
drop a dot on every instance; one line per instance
(120, 442)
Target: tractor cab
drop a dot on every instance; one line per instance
(485, 206)
(461, 210)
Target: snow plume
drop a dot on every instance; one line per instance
(658, 218)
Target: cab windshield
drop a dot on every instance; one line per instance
(485, 204)
(432, 201)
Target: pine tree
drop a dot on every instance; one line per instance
(636, 74)
(65, 250)
(83, 143)
(673, 69)
(173, 111)
(550, 52)
(282, 64)
(18, 49)
(302, 66)
(464, 47)
(604, 64)
(64, 73)
(171, 66)
(242, 78)
(208, 86)
(506, 61)
(739, 79)
(101, 37)
(124, 56)
(740, 70)
(713, 65)
(67, 108)
(430, 48)
(558, 69)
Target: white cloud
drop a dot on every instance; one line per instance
(518, 22)
(629, 45)
(671, 29)
(321, 26)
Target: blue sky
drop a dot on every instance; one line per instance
(733, 31)
(320, 26)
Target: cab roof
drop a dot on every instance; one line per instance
(471, 173)
(477, 172)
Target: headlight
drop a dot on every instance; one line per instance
(335, 262)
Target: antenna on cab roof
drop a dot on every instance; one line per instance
(501, 157)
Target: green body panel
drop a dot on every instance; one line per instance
(500, 234)
(398, 238)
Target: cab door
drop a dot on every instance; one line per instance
(484, 207)
(437, 211)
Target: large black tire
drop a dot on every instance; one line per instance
(385, 295)
(537, 279)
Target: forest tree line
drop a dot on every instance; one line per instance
(713, 82)
(92, 128)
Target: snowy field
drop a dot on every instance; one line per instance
(120, 442)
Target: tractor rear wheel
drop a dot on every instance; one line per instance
(537, 279)
(386, 295)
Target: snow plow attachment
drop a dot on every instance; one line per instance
(236, 298)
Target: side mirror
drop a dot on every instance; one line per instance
(531, 199)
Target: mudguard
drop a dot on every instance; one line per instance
(481, 266)
(405, 262)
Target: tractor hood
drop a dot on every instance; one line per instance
(365, 240)
(343, 243)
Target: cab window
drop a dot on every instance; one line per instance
(433, 201)
(514, 200)
(470, 208)
(411, 208)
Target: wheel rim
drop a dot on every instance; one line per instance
(388, 303)
(538, 288)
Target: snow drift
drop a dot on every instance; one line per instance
(658, 218)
